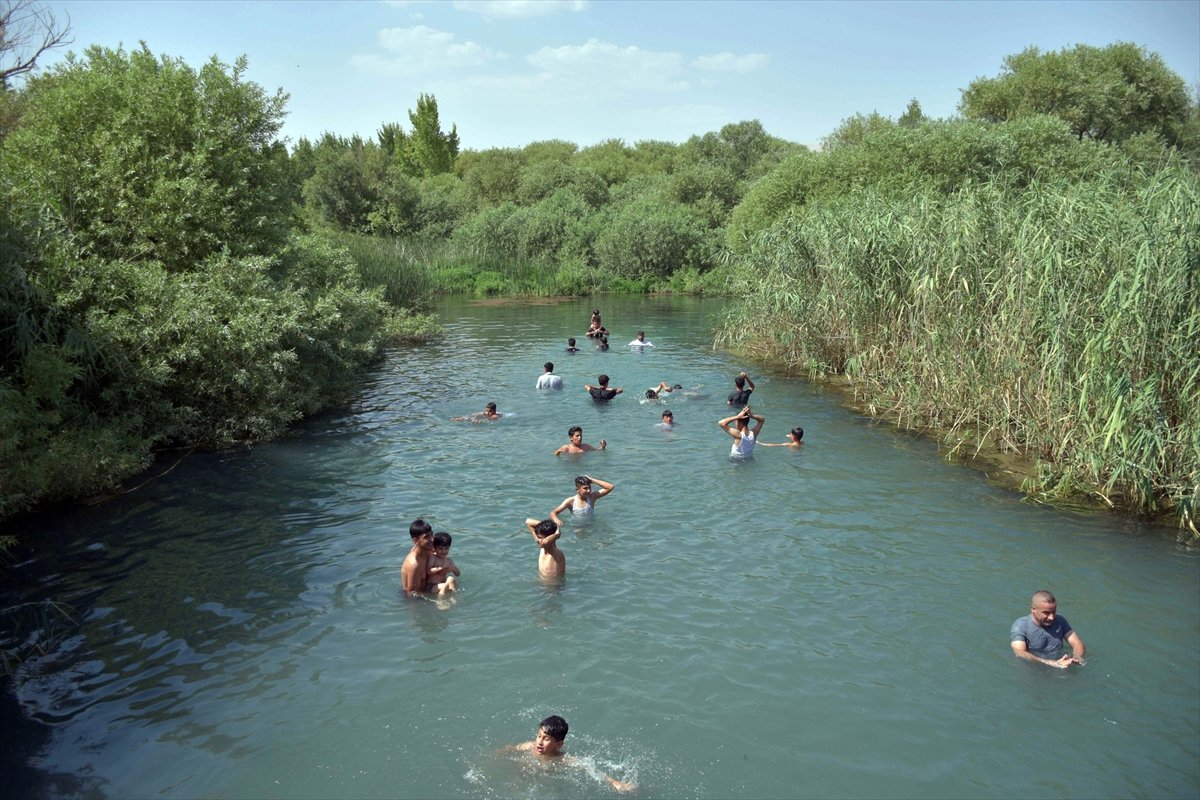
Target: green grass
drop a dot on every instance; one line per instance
(1060, 323)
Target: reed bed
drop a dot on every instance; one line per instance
(1061, 322)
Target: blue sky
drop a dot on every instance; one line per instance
(511, 73)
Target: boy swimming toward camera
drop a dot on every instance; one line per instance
(548, 745)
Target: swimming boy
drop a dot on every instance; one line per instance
(668, 420)
(548, 380)
(576, 444)
(794, 437)
(414, 573)
(551, 561)
(571, 348)
(442, 571)
(488, 414)
(601, 393)
(583, 502)
(548, 744)
(663, 388)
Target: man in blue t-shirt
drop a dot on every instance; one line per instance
(1039, 636)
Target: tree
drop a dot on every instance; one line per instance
(133, 156)
(912, 116)
(428, 150)
(26, 32)
(1108, 93)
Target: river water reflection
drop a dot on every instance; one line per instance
(828, 622)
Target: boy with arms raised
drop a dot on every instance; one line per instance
(552, 564)
(548, 744)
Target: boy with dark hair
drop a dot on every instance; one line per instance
(551, 561)
(575, 443)
(571, 348)
(414, 573)
(548, 379)
(442, 571)
(548, 743)
(740, 396)
(601, 393)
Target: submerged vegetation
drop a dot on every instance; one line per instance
(1022, 276)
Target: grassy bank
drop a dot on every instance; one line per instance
(1059, 322)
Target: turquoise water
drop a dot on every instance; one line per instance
(828, 622)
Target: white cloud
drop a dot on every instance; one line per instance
(514, 9)
(729, 62)
(422, 49)
(598, 65)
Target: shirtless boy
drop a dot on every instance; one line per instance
(551, 561)
(414, 574)
(442, 572)
(548, 744)
(576, 444)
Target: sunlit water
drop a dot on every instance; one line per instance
(828, 622)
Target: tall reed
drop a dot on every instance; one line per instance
(1061, 322)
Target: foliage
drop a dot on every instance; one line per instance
(652, 239)
(131, 155)
(428, 150)
(1054, 319)
(1107, 93)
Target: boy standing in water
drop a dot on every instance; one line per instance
(548, 744)
(443, 572)
(414, 574)
(551, 561)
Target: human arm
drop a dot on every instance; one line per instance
(548, 540)
(563, 506)
(1021, 650)
(749, 382)
(1077, 647)
(562, 449)
(728, 426)
(605, 487)
(412, 577)
(617, 391)
(452, 567)
(758, 419)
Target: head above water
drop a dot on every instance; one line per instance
(667, 416)
(602, 380)
(583, 480)
(546, 527)
(574, 429)
(571, 342)
(555, 727)
(739, 382)
(442, 539)
(490, 408)
(796, 433)
(419, 528)
(1043, 608)
(549, 365)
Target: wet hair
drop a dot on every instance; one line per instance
(549, 365)
(583, 480)
(546, 527)
(641, 333)
(739, 382)
(571, 430)
(419, 528)
(603, 379)
(595, 312)
(1043, 597)
(677, 386)
(490, 407)
(604, 339)
(668, 413)
(555, 727)
(797, 433)
(442, 539)
(651, 394)
(571, 341)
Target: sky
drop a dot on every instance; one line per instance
(508, 73)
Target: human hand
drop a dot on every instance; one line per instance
(1062, 663)
(622, 786)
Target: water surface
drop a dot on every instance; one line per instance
(828, 622)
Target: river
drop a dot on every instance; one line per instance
(828, 621)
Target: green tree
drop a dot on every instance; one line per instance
(490, 176)
(1107, 93)
(131, 154)
(428, 150)
(912, 116)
